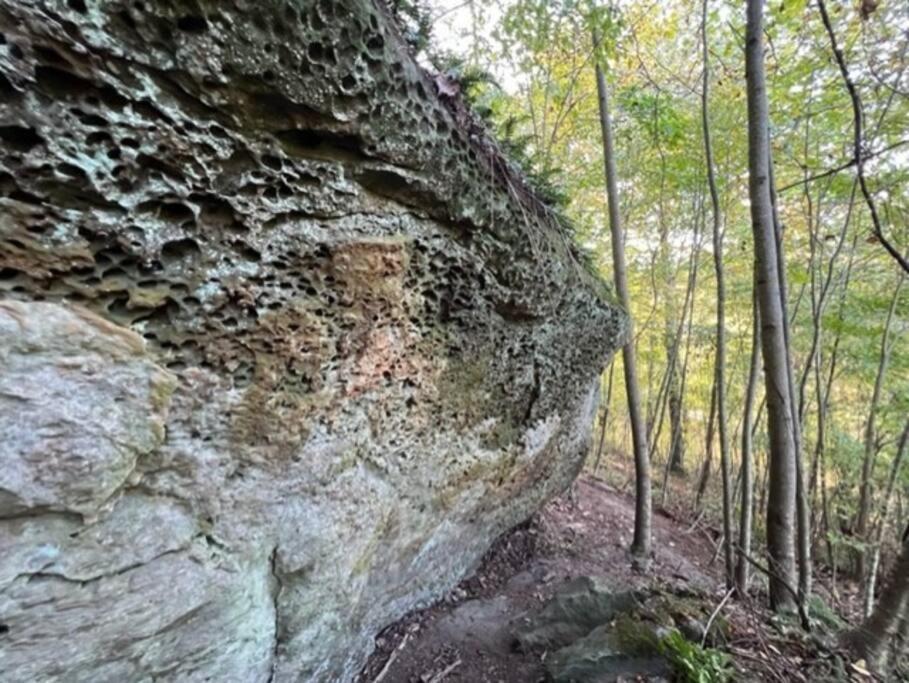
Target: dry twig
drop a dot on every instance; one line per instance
(714, 615)
(444, 672)
(391, 658)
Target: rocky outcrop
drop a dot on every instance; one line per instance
(284, 342)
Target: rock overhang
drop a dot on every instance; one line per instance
(380, 350)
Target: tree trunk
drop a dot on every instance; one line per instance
(640, 547)
(708, 448)
(869, 641)
(831, 550)
(882, 521)
(747, 505)
(820, 289)
(672, 336)
(824, 393)
(865, 493)
(677, 424)
(803, 523)
(781, 498)
(670, 392)
(605, 419)
(686, 322)
(720, 312)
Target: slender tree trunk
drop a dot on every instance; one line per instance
(676, 454)
(671, 388)
(820, 435)
(870, 442)
(831, 551)
(677, 425)
(814, 286)
(747, 504)
(708, 448)
(815, 361)
(824, 397)
(606, 404)
(882, 521)
(664, 397)
(823, 394)
(869, 641)
(687, 318)
(652, 401)
(765, 472)
(820, 291)
(782, 493)
(720, 310)
(640, 547)
(803, 522)
(901, 643)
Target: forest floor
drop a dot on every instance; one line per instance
(468, 636)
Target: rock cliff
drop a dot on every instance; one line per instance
(284, 341)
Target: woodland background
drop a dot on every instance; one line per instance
(527, 68)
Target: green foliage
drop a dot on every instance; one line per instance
(485, 97)
(538, 95)
(473, 80)
(693, 663)
(654, 113)
(845, 452)
(821, 613)
(547, 182)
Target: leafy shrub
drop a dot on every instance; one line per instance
(693, 663)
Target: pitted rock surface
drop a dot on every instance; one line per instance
(285, 342)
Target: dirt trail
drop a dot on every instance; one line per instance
(468, 636)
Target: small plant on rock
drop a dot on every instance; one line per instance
(693, 663)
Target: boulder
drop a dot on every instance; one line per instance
(577, 608)
(587, 632)
(285, 342)
(602, 656)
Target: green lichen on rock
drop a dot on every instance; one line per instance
(376, 350)
(636, 636)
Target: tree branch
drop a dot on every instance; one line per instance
(857, 139)
(843, 166)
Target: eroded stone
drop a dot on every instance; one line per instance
(385, 350)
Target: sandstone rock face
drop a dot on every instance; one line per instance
(284, 342)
